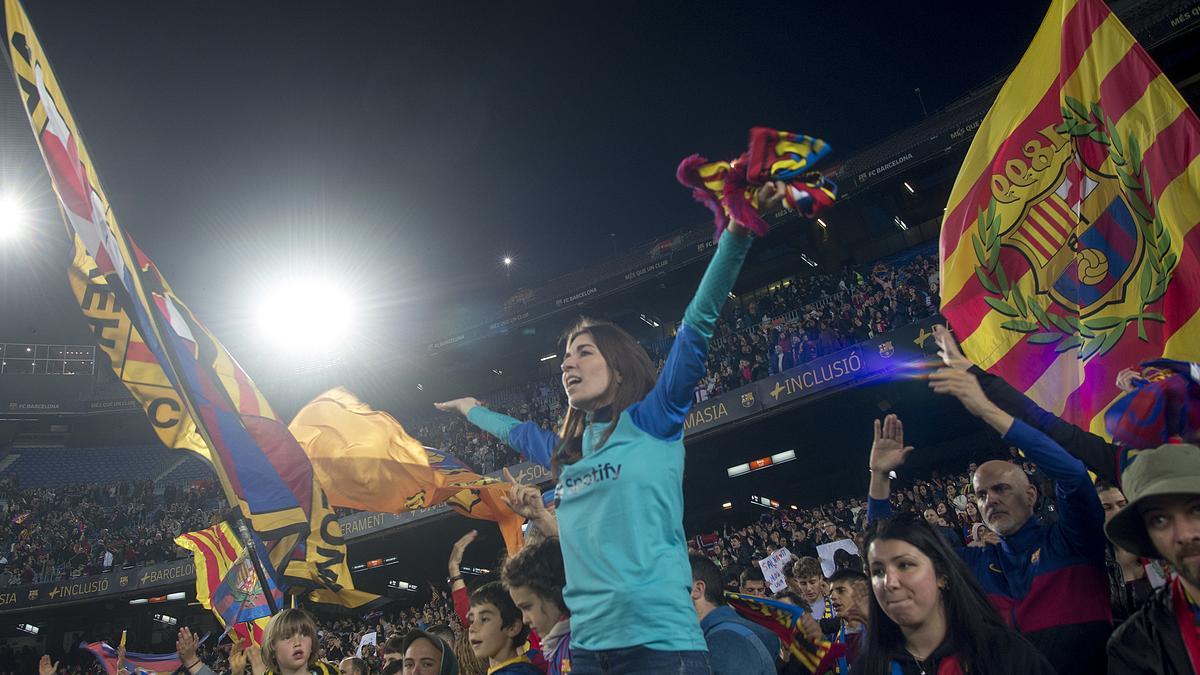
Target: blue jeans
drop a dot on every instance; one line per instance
(638, 661)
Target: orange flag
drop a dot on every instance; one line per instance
(366, 460)
(1069, 247)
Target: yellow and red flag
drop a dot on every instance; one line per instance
(227, 584)
(1069, 245)
(366, 460)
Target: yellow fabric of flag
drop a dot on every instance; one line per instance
(131, 360)
(1069, 247)
(366, 460)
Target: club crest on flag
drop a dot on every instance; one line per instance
(1078, 209)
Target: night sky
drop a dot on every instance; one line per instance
(404, 147)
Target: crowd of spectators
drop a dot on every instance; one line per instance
(58, 533)
(814, 315)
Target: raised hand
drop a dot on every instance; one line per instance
(460, 547)
(948, 349)
(257, 667)
(45, 667)
(186, 645)
(770, 195)
(962, 386)
(888, 450)
(812, 629)
(524, 500)
(459, 405)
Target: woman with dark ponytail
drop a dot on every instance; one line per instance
(928, 615)
(618, 458)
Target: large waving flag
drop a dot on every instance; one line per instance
(1069, 246)
(784, 620)
(227, 584)
(366, 460)
(214, 406)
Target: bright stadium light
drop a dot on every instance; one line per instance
(12, 218)
(306, 315)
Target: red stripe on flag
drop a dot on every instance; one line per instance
(1026, 362)
(967, 309)
(212, 573)
(1066, 215)
(1125, 84)
(1049, 105)
(138, 351)
(285, 455)
(1046, 253)
(247, 399)
(1100, 374)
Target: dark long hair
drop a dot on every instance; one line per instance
(626, 358)
(971, 621)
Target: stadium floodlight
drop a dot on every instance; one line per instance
(727, 505)
(649, 320)
(306, 315)
(12, 217)
(165, 619)
(901, 224)
(822, 223)
(808, 260)
(548, 357)
(28, 628)
(910, 188)
(402, 586)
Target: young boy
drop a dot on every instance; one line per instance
(535, 578)
(496, 631)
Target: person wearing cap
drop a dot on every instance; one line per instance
(426, 654)
(1162, 520)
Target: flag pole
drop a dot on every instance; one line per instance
(243, 531)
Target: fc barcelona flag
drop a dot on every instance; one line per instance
(1069, 246)
(784, 620)
(138, 664)
(227, 584)
(194, 392)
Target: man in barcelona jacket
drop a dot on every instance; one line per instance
(1048, 581)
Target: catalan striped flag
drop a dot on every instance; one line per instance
(784, 620)
(227, 583)
(207, 399)
(1069, 244)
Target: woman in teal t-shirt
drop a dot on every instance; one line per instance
(619, 462)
